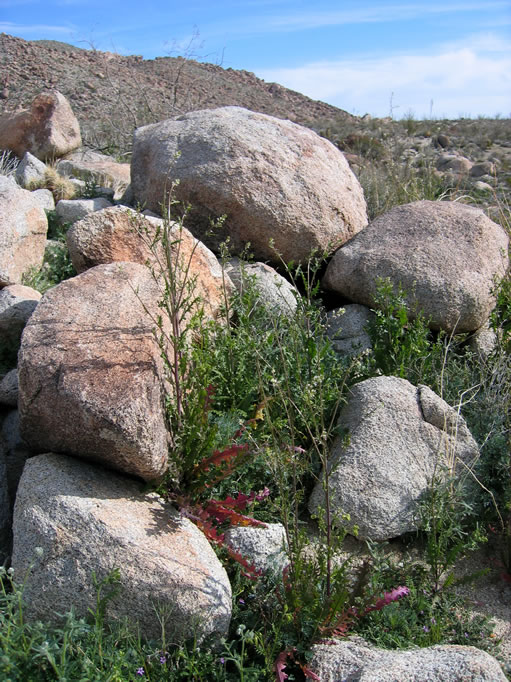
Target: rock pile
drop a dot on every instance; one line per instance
(90, 383)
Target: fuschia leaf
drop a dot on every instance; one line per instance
(280, 664)
(388, 597)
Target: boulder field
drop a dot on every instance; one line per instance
(84, 422)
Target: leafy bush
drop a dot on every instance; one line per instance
(57, 265)
(423, 618)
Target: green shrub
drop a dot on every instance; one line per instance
(57, 265)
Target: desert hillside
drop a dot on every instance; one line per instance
(111, 94)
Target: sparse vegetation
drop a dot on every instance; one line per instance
(8, 164)
(60, 187)
(57, 264)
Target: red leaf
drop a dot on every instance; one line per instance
(280, 664)
(221, 514)
(240, 502)
(220, 456)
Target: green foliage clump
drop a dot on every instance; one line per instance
(402, 343)
(424, 618)
(57, 265)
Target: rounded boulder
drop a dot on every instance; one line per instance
(281, 187)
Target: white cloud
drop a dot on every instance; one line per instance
(376, 14)
(29, 29)
(470, 80)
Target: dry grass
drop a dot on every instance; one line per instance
(60, 187)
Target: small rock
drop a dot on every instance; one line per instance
(262, 547)
(275, 292)
(442, 141)
(347, 329)
(71, 210)
(484, 168)
(45, 199)
(30, 169)
(9, 389)
(482, 186)
(484, 341)
(454, 163)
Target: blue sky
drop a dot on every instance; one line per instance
(441, 57)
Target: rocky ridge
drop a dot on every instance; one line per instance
(111, 92)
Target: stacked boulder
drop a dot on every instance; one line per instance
(48, 130)
(446, 256)
(91, 383)
(23, 229)
(282, 188)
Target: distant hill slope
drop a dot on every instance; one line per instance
(111, 94)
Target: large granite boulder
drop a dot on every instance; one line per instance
(91, 379)
(87, 520)
(273, 179)
(445, 255)
(48, 130)
(121, 234)
(23, 229)
(400, 436)
(356, 660)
